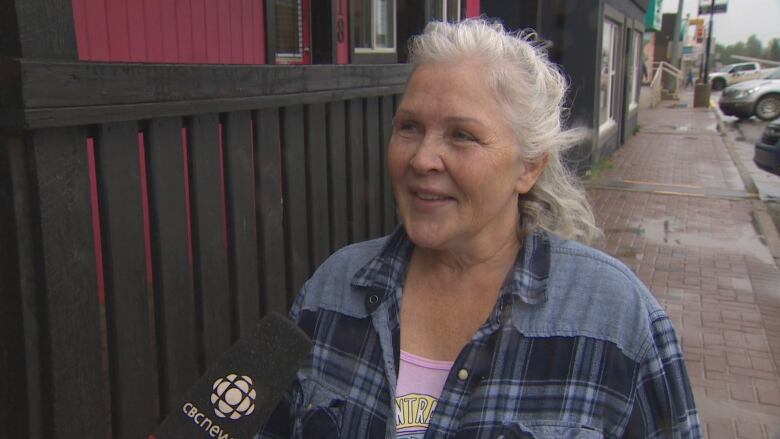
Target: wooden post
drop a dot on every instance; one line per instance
(37, 29)
(33, 29)
(17, 412)
(73, 389)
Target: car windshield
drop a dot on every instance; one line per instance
(726, 68)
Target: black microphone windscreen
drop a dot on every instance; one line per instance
(235, 397)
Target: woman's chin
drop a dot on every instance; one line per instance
(426, 236)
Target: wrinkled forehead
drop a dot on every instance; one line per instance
(454, 85)
(443, 79)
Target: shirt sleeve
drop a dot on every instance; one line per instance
(663, 405)
(280, 424)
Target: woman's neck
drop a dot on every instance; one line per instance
(449, 294)
(488, 261)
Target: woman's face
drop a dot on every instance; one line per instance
(454, 160)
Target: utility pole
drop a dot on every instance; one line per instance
(676, 55)
(709, 43)
(701, 93)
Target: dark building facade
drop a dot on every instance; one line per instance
(598, 44)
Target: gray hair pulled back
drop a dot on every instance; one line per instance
(531, 91)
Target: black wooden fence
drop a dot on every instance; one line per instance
(151, 214)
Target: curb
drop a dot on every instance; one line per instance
(766, 229)
(744, 174)
(762, 221)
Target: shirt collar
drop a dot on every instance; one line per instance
(528, 279)
(527, 282)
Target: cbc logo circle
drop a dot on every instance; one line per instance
(233, 396)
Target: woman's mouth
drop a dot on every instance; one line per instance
(430, 197)
(425, 200)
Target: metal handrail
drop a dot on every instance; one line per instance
(656, 76)
(655, 86)
(674, 71)
(660, 68)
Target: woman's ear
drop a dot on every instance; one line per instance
(531, 172)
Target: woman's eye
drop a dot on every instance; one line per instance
(407, 127)
(463, 136)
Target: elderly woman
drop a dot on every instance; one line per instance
(481, 315)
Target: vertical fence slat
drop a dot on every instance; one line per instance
(317, 161)
(173, 275)
(242, 232)
(373, 168)
(295, 217)
(128, 308)
(337, 175)
(388, 203)
(20, 398)
(208, 237)
(74, 394)
(357, 176)
(270, 211)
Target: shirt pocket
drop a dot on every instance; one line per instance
(320, 413)
(548, 430)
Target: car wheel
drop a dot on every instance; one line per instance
(768, 107)
(718, 84)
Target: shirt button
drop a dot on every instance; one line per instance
(463, 374)
(373, 299)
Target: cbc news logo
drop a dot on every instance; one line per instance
(233, 396)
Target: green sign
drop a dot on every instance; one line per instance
(653, 15)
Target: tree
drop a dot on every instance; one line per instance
(753, 47)
(773, 50)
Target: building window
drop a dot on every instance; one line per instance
(449, 10)
(634, 48)
(289, 31)
(608, 69)
(374, 26)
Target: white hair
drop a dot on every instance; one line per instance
(531, 91)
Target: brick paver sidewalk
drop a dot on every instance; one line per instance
(674, 209)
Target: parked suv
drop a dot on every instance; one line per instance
(767, 153)
(760, 97)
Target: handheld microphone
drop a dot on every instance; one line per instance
(235, 397)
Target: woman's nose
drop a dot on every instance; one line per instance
(428, 156)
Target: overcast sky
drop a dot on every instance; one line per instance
(744, 17)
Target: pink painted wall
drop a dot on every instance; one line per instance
(472, 8)
(171, 31)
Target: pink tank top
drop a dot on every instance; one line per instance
(420, 382)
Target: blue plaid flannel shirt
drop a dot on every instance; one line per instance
(575, 347)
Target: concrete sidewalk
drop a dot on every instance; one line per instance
(675, 209)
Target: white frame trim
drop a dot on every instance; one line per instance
(443, 6)
(636, 41)
(373, 48)
(607, 126)
(612, 73)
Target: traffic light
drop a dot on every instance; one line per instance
(699, 23)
